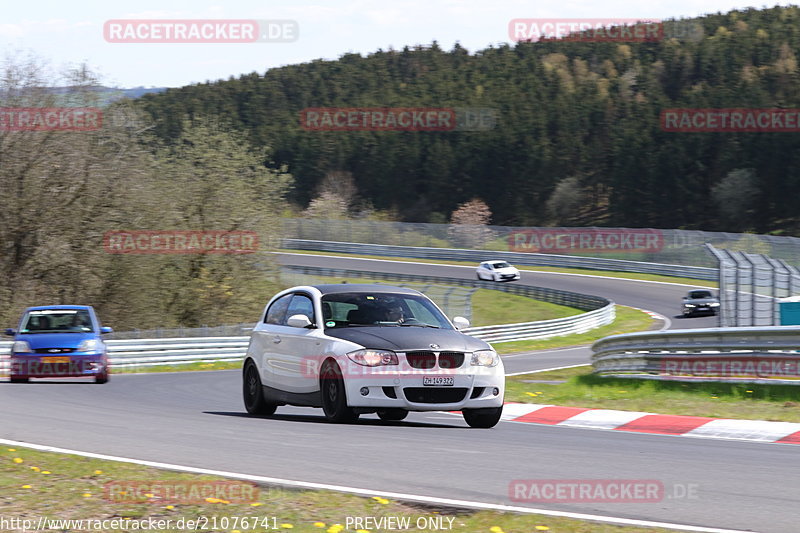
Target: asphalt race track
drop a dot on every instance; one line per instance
(197, 419)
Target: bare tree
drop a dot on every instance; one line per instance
(566, 200)
(469, 224)
(735, 197)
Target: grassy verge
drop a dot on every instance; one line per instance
(495, 307)
(628, 320)
(602, 273)
(37, 484)
(717, 400)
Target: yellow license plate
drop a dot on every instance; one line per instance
(55, 359)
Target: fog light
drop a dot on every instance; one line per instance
(495, 391)
(364, 391)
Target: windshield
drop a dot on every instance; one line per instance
(700, 294)
(56, 321)
(501, 264)
(360, 309)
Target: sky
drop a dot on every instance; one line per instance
(64, 34)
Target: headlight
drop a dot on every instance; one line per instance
(485, 358)
(689, 305)
(714, 304)
(373, 357)
(90, 345)
(21, 347)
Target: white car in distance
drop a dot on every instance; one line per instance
(354, 349)
(497, 271)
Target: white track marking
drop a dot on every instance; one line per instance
(367, 492)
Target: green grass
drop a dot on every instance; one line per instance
(602, 273)
(774, 402)
(495, 307)
(628, 320)
(59, 486)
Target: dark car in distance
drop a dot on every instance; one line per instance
(700, 301)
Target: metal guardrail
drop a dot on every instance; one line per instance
(516, 258)
(752, 354)
(124, 353)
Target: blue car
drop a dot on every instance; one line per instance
(59, 341)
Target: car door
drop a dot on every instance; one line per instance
(296, 350)
(265, 340)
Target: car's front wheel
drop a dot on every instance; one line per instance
(482, 418)
(101, 378)
(392, 415)
(334, 397)
(253, 393)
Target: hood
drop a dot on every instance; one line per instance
(407, 338)
(506, 270)
(54, 340)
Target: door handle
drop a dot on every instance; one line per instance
(276, 339)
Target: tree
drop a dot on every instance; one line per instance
(735, 197)
(469, 224)
(565, 201)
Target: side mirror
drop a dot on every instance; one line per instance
(299, 321)
(460, 322)
(10, 332)
(106, 329)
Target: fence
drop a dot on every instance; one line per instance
(516, 258)
(747, 354)
(667, 246)
(750, 286)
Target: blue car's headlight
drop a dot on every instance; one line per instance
(90, 345)
(21, 347)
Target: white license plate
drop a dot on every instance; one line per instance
(438, 381)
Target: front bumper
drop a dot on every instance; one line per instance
(62, 366)
(402, 390)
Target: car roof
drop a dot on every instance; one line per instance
(45, 307)
(334, 288)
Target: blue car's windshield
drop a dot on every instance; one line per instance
(57, 321)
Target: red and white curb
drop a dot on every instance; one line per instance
(686, 426)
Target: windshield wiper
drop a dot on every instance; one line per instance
(419, 326)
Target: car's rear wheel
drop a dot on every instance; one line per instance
(334, 397)
(18, 380)
(253, 393)
(101, 378)
(482, 418)
(392, 415)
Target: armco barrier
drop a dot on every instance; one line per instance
(516, 258)
(752, 354)
(161, 351)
